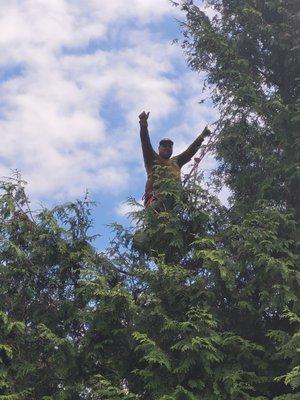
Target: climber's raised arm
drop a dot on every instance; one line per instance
(186, 155)
(148, 152)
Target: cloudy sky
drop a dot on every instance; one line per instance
(74, 75)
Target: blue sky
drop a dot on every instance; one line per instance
(74, 75)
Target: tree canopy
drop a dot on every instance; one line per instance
(199, 300)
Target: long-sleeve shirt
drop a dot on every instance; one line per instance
(174, 164)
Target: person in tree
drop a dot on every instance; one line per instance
(163, 158)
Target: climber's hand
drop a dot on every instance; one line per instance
(206, 132)
(144, 118)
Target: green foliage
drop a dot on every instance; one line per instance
(289, 348)
(102, 388)
(52, 280)
(214, 318)
(250, 53)
(153, 325)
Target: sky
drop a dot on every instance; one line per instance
(74, 76)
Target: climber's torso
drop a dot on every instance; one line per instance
(171, 170)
